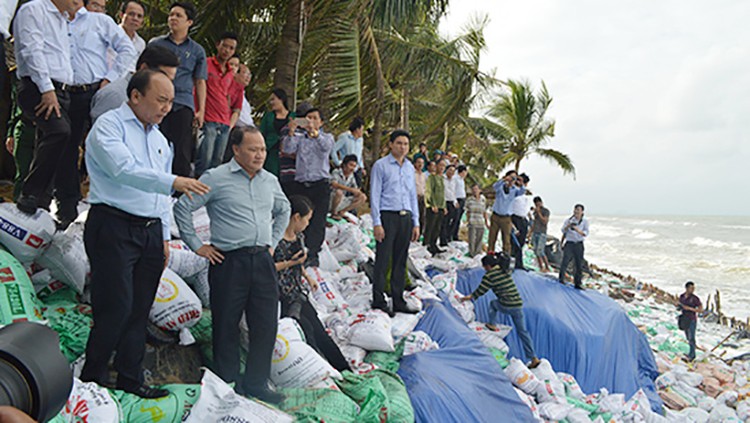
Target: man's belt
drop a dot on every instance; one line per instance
(131, 218)
(398, 212)
(74, 89)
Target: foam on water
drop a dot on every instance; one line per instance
(714, 252)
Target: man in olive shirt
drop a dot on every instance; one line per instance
(434, 199)
(249, 214)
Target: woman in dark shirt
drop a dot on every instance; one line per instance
(295, 284)
(271, 125)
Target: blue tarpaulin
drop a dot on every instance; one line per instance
(583, 333)
(460, 382)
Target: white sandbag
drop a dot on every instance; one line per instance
(695, 415)
(555, 411)
(666, 380)
(426, 292)
(183, 261)
(419, 341)
(371, 331)
(707, 403)
(690, 378)
(743, 410)
(201, 222)
(550, 387)
(529, 401)
(176, 307)
(461, 246)
(200, 285)
(66, 258)
(327, 261)
(295, 364)
(465, 309)
(89, 402)
(728, 398)
(723, 414)
(610, 403)
(344, 245)
(638, 404)
(353, 354)
(402, 324)
(25, 236)
(328, 294)
(219, 403)
(521, 376)
(445, 282)
(578, 415)
(491, 338)
(572, 389)
(337, 324)
(413, 302)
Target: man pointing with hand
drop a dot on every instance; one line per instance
(395, 215)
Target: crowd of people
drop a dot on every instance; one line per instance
(268, 190)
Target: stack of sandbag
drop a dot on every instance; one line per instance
(66, 258)
(18, 301)
(294, 363)
(191, 267)
(25, 236)
(201, 222)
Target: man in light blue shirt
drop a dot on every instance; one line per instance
(249, 213)
(395, 217)
(312, 147)
(575, 229)
(43, 56)
(506, 190)
(127, 228)
(351, 142)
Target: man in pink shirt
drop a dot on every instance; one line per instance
(215, 132)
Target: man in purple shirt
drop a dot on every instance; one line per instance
(312, 147)
(691, 306)
(395, 217)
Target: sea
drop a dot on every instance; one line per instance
(667, 251)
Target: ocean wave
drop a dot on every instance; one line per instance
(606, 231)
(642, 234)
(740, 227)
(706, 242)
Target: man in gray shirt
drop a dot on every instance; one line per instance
(249, 213)
(112, 96)
(312, 147)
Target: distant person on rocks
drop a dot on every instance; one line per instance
(690, 305)
(539, 233)
(420, 178)
(395, 217)
(451, 205)
(497, 277)
(506, 190)
(127, 230)
(249, 214)
(434, 206)
(476, 214)
(521, 209)
(575, 230)
(346, 193)
(461, 173)
(295, 283)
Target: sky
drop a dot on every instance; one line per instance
(651, 98)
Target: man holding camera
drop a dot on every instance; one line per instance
(575, 230)
(506, 190)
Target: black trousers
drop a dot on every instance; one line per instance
(177, 127)
(316, 335)
(457, 220)
(80, 123)
(572, 251)
(433, 225)
(446, 234)
(523, 231)
(319, 194)
(56, 154)
(246, 281)
(127, 259)
(394, 248)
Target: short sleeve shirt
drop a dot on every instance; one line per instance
(193, 66)
(347, 181)
(476, 209)
(690, 301)
(291, 285)
(538, 227)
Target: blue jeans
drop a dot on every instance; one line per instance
(539, 240)
(211, 150)
(690, 335)
(515, 313)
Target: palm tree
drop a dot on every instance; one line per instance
(519, 118)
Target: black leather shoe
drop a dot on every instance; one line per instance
(579, 287)
(147, 392)
(27, 204)
(384, 308)
(404, 309)
(266, 395)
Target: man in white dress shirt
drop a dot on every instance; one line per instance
(451, 205)
(520, 211)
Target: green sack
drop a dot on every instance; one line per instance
(590, 408)
(71, 321)
(399, 405)
(500, 356)
(369, 393)
(18, 301)
(387, 360)
(319, 405)
(170, 409)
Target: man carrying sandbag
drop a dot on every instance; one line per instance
(249, 214)
(127, 229)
